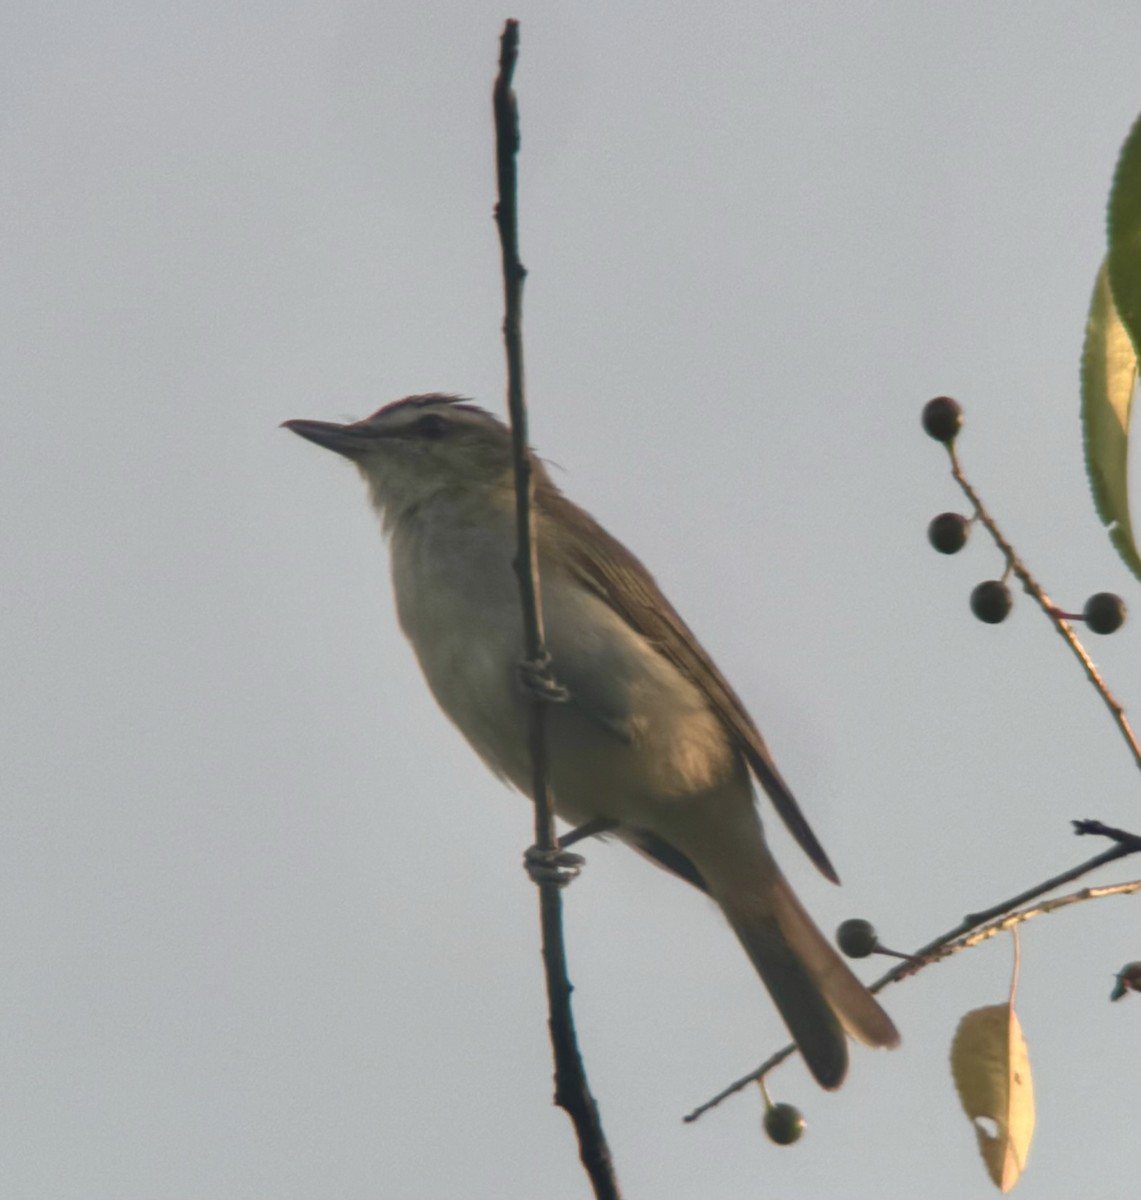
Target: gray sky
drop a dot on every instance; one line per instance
(265, 930)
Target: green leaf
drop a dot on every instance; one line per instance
(1109, 374)
(1109, 358)
(1124, 229)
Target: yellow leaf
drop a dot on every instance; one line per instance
(991, 1067)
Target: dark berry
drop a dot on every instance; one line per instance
(1128, 980)
(948, 532)
(857, 938)
(784, 1124)
(942, 418)
(991, 601)
(1104, 612)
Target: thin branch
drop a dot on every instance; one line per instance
(1122, 836)
(961, 936)
(572, 1091)
(1011, 920)
(971, 920)
(1046, 604)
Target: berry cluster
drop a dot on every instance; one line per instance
(991, 600)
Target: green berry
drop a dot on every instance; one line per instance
(942, 418)
(948, 532)
(784, 1124)
(857, 938)
(991, 601)
(1104, 612)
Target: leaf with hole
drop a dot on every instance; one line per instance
(990, 1064)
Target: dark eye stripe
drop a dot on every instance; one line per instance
(431, 425)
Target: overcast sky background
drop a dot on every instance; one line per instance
(265, 932)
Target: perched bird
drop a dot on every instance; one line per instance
(651, 743)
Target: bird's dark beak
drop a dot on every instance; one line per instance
(350, 440)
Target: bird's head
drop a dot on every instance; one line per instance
(419, 447)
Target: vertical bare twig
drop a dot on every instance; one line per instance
(572, 1091)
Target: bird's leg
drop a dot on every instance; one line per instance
(559, 865)
(592, 828)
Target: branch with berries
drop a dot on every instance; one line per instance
(991, 600)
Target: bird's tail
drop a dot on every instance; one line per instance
(817, 995)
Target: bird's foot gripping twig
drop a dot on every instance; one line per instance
(559, 865)
(556, 865)
(535, 675)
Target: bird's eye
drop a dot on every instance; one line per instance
(431, 425)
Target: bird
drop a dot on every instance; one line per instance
(649, 744)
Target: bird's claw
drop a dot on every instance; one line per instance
(555, 866)
(536, 677)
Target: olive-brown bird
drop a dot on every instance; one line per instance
(651, 743)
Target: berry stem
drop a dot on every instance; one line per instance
(894, 953)
(1059, 619)
(1065, 616)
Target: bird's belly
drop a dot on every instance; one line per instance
(472, 673)
(635, 737)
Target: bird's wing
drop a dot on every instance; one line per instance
(603, 564)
